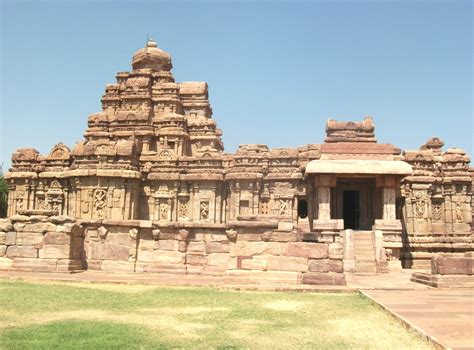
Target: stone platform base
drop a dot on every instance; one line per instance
(443, 281)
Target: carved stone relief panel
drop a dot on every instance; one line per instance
(284, 207)
(420, 207)
(100, 201)
(183, 209)
(164, 210)
(459, 213)
(204, 210)
(436, 210)
(19, 198)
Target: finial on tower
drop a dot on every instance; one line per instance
(150, 42)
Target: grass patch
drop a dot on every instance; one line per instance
(91, 316)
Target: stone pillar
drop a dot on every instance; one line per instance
(324, 203)
(389, 205)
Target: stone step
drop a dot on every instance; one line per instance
(363, 246)
(364, 252)
(362, 238)
(261, 277)
(368, 269)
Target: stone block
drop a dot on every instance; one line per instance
(145, 256)
(29, 238)
(94, 264)
(452, 265)
(283, 236)
(325, 265)
(67, 265)
(196, 259)
(194, 269)
(294, 264)
(117, 266)
(174, 269)
(167, 235)
(56, 238)
(41, 227)
(167, 244)
(3, 250)
(232, 263)
(35, 264)
(115, 252)
(53, 251)
(213, 270)
(198, 246)
(249, 237)
(168, 257)
(61, 219)
(146, 245)
(93, 250)
(71, 229)
(257, 248)
(254, 264)
(273, 262)
(10, 238)
(6, 225)
(336, 250)
(3, 238)
(119, 238)
(17, 251)
(217, 247)
(285, 226)
(321, 278)
(307, 250)
(5, 262)
(218, 259)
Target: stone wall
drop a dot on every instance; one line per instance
(238, 254)
(40, 243)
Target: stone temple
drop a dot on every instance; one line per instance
(150, 190)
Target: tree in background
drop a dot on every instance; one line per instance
(3, 197)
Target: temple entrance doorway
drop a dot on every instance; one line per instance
(355, 200)
(350, 209)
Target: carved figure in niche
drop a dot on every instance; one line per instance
(100, 200)
(459, 216)
(284, 207)
(420, 209)
(183, 209)
(19, 200)
(166, 155)
(55, 207)
(164, 208)
(55, 184)
(204, 210)
(436, 211)
(40, 203)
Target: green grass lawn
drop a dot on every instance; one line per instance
(110, 316)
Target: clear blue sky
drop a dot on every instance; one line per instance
(276, 70)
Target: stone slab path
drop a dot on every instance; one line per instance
(444, 316)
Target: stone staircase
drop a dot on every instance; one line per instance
(364, 252)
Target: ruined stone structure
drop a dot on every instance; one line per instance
(150, 189)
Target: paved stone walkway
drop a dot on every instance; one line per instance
(444, 316)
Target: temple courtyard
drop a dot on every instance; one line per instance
(100, 310)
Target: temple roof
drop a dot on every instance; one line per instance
(391, 167)
(152, 57)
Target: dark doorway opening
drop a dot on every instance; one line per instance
(350, 209)
(302, 208)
